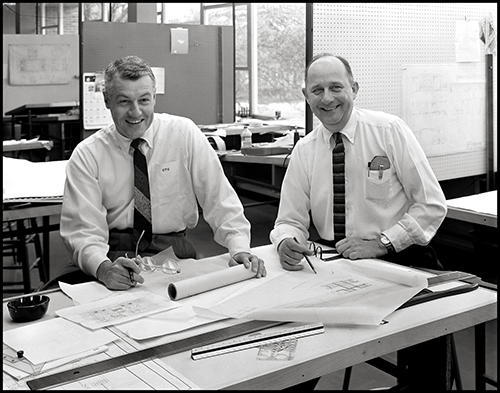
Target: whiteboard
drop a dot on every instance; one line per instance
(445, 106)
(39, 64)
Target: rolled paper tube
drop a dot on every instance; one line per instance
(392, 272)
(207, 282)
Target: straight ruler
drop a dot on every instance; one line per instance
(449, 276)
(159, 351)
(252, 341)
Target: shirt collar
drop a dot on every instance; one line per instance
(349, 129)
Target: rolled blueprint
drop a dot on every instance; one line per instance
(206, 282)
(391, 272)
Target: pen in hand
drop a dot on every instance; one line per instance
(307, 258)
(130, 272)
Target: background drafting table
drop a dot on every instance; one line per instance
(14, 147)
(28, 211)
(266, 179)
(476, 209)
(339, 347)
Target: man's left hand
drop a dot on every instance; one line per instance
(358, 248)
(250, 261)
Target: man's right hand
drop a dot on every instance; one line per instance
(116, 275)
(291, 254)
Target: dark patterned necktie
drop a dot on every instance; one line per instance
(338, 160)
(142, 197)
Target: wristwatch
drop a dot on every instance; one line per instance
(387, 243)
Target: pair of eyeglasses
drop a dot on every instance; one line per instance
(168, 266)
(318, 252)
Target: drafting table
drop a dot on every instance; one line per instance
(476, 209)
(44, 115)
(260, 174)
(21, 145)
(35, 210)
(339, 347)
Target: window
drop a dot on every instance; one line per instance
(185, 13)
(269, 51)
(269, 42)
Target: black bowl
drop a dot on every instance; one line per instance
(28, 308)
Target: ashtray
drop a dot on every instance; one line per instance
(28, 308)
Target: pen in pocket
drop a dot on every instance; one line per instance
(380, 164)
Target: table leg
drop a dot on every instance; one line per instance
(46, 246)
(480, 355)
(23, 256)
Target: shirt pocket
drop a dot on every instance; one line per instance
(165, 183)
(379, 189)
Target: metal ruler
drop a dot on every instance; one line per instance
(253, 341)
(162, 350)
(449, 276)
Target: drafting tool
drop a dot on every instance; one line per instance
(162, 350)
(253, 341)
(449, 276)
(27, 368)
(427, 295)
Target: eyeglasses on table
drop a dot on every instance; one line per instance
(318, 252)
(168, 266)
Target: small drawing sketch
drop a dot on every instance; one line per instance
(346, 286)
(445, 107)
(39, 64)
(120, 311)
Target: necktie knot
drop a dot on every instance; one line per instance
(136, 143)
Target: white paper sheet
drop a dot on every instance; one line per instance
(54, 339)
(117, 309)
(24, 180)
(486, 202)
(184, 317)
(171, 320)
(338, 294)
(87, 292)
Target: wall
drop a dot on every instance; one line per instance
(198, 85)
(382, 39)
(16, 96)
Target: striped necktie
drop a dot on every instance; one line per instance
(338, 161)
(142, 197)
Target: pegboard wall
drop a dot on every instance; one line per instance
(380, 39)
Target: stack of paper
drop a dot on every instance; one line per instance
(26, 181)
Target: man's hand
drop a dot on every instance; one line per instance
(116, 275)
(250, 261)
(357, 248)
(291, 254)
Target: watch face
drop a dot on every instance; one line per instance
(384, 240)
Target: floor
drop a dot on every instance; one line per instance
(363, 376)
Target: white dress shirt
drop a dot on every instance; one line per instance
(183, 169)
(406, 204)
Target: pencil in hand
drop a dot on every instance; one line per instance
(307, 258)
